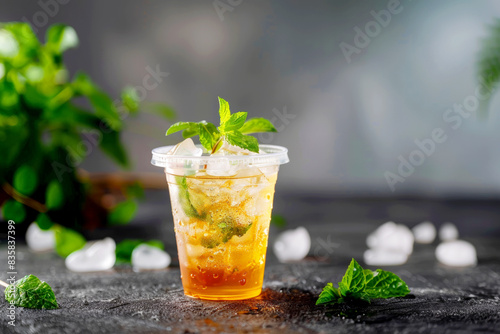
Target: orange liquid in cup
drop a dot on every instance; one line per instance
(221, 229)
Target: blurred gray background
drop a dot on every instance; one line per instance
(345, 122)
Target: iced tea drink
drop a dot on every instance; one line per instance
(222, 222)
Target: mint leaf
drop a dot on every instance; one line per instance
(364, 284)
(44, 222)
(61, 37)
(135, 190)
(209, 135)
(123, 212)
(67, 241)
(234, 122)
(14, 210)
(224, 112)
(179, 126)
(353, 280)
(30, 292)
(278, 221)
(191, 132)
(225, 231)
(54, 196)
(329, 294)
(236, 138)
(25, 180)
(255, 125)
(488, 67)
(112, 146)
(384, 284)
(161, 110)
(130, 99)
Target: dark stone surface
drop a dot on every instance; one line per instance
(442, 300)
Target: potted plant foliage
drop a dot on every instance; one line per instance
(46, 121)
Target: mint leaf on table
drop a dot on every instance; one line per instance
(354, 279)
(233, 128)
(30, 292)
(384, 284)
(364, 284)
(330, 294)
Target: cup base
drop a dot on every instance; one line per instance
(247, 294)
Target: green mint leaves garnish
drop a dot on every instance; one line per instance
(364, 284)
(30, 292)
(233, 128)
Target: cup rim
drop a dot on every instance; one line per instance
(274, 155)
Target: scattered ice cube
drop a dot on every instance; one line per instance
(392, 237)
(292, 245)
(39, 240)
(424, 233)
(221, 167)
(383, 230)
(95, 256)
(456, 253)
(228, 149)
(145, 257)
(381, 257)
(186, 148)
(448, 232)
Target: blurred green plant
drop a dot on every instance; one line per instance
(46, 121)
(489, 63)
(278, 220)
(125, 248)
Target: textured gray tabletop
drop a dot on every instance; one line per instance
(442, 300)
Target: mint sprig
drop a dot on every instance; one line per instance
(364, 284)
(30, 292)
(233, 128)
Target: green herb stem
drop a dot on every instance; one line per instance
(23, 199)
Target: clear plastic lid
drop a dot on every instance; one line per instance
(272, 156)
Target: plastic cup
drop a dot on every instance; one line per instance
(221, 207)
